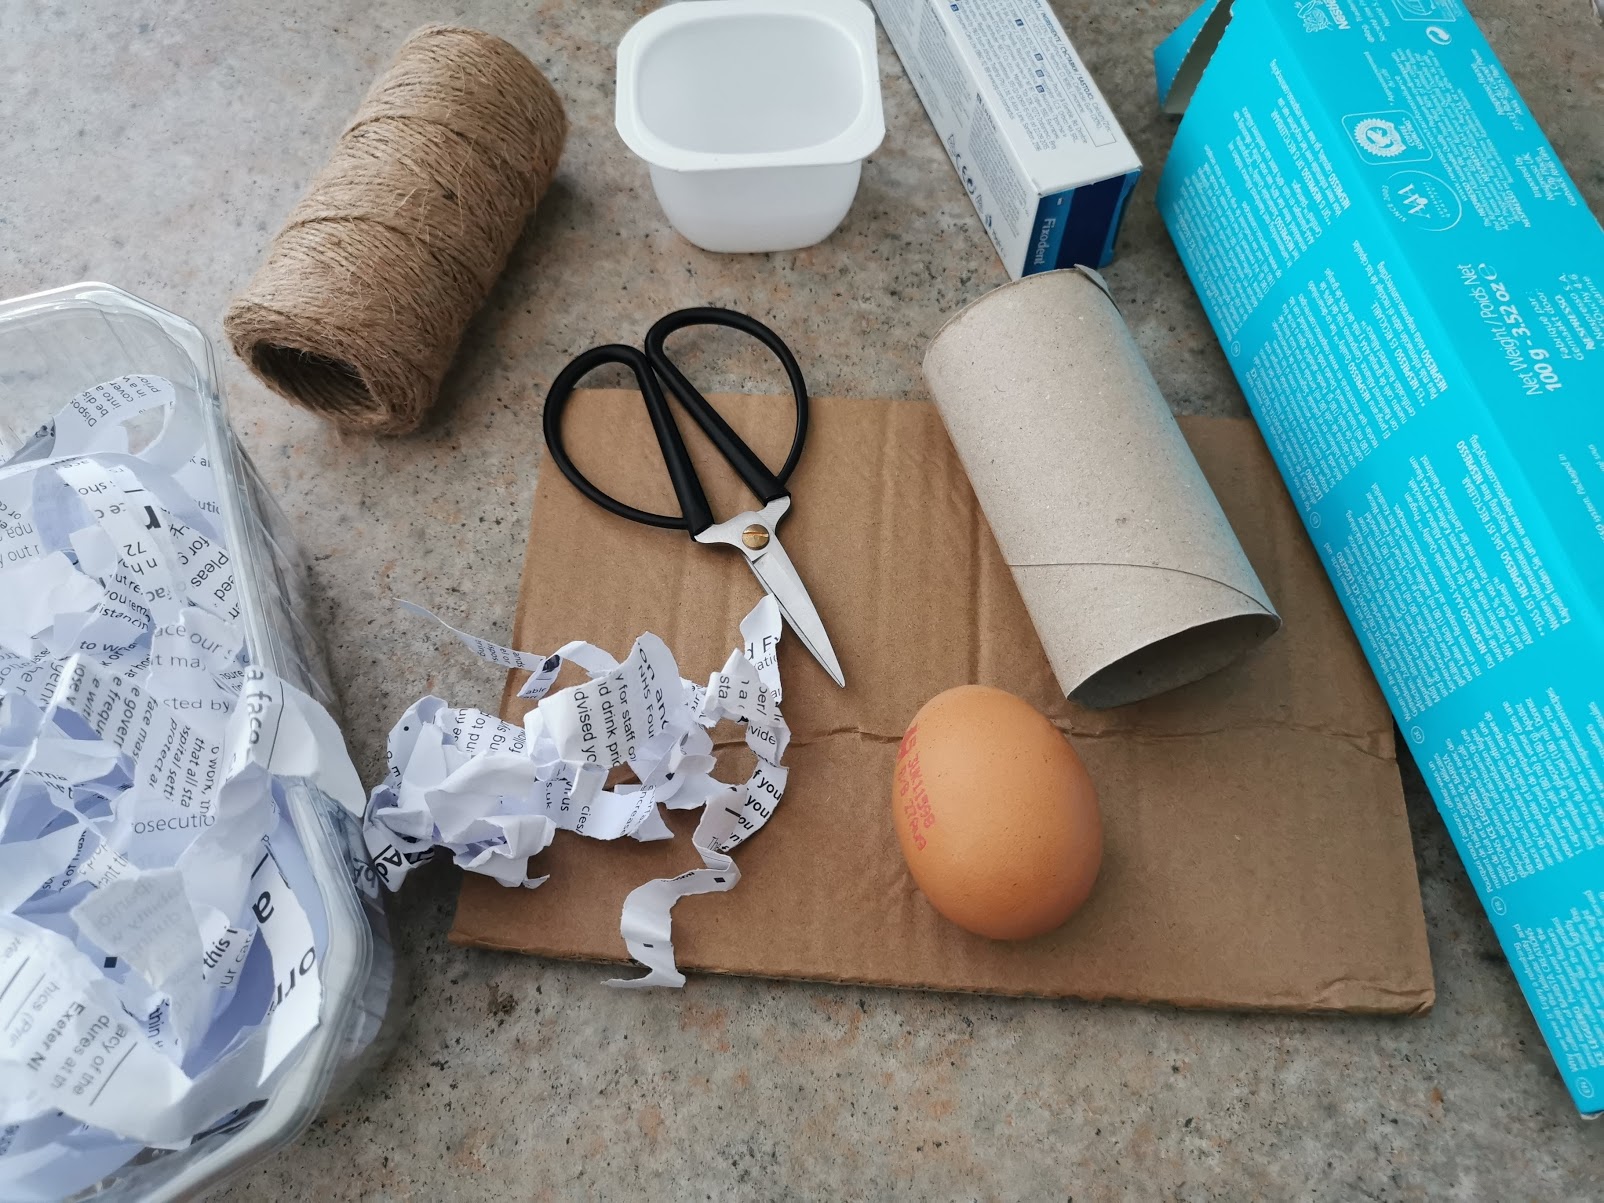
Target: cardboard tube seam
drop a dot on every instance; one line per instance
(1196, 576)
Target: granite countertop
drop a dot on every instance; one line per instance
(159, 146)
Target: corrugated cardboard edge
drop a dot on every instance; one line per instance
(1335, 1000)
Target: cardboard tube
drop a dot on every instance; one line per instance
(1132, 575)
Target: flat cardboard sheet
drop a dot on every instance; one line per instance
(1257, 851)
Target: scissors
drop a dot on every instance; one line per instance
(751, 533)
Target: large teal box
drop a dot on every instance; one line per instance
(1408, 287)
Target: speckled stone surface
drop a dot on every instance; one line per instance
(157, 146)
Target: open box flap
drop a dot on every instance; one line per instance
(1180, 58)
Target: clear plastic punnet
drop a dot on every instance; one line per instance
(53, 346)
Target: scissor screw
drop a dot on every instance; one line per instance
(756, 537)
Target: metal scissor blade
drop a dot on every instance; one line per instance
(776, 573)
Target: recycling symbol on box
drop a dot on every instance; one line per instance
(1380, 137)
(1389, 136)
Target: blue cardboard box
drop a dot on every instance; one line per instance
(1411, 293)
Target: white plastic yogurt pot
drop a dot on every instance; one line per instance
(754, 116)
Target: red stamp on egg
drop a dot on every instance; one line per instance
(911, 786)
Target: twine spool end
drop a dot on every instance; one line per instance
(316, 380)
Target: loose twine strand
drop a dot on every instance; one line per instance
(358, 308)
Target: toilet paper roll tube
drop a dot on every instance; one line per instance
(1131, 573)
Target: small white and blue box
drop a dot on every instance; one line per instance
(1410, 290)
(1036, 146)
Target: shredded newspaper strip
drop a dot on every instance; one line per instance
(492, 794)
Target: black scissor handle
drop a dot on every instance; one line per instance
(694, 515)
(768, 486)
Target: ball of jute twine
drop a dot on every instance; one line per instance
(358, 308)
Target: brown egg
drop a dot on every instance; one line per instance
(997, 815)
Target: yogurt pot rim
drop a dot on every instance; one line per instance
(852, 19)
